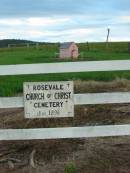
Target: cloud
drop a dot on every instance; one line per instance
(65, 20)
(10, 22)
(70, 28)
(124, 19)
(46, 21)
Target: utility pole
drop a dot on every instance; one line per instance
(108, 33)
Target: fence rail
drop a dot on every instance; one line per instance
(65, 67)
(66, 132)
(79, 99)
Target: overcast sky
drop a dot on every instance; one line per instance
(65, 20)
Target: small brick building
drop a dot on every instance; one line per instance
(68, 50)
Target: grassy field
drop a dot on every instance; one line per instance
(11, 85)
(47, 53)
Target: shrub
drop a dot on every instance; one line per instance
(70, 168)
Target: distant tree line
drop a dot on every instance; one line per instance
(5, 42)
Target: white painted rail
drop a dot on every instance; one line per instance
(65, 67)
(67, 132)
(11, 102)
(102, 98)
(79, 99)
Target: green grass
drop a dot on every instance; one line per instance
(11, 85)
(96, 56)
(27, 55)
(112, 47)
(47, 53)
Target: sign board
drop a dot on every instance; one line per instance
(48, 99)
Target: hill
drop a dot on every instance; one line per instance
(5, 42)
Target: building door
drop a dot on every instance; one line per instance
(73, 53)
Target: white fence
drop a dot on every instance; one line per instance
(79, 99)
(88, 66)
(23, 45)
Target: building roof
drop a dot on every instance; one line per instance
(65, 45)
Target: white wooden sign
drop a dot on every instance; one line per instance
(48, 99)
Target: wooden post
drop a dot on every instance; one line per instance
(128, 47)
(88, 46)
(37, 45)
(27, 45)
